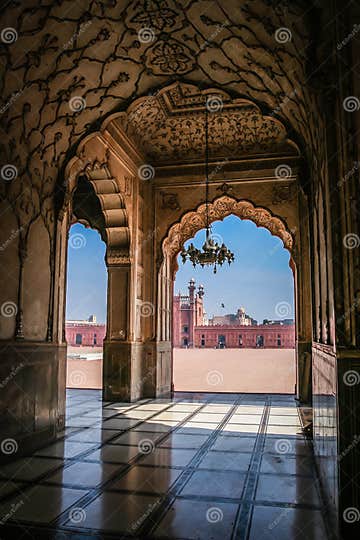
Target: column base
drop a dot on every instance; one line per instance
(32, 382)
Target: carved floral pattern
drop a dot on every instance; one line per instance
(169, 57)
(170, 126)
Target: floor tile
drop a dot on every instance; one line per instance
(240, 429)
(179, 440)
(136, 438)
(118, 512)
(147, 479)
(287, 445)
(169, 457)
(224, 461)
(113, 453)
(281, 410)
(286, 464)
(284, 430)
(177, 416)
(287, 489)
(41, 504)
(82, 474)
(245, 419)
(215, 484)
(119, 423)
(284, 420)
(215, 408)
(269, 523)
(234, 444)
(65, 449)
(197, 428)
(184, 407)
(208, 417)
(29, 468)
(156, 426)
(93, 435)
(197, 520)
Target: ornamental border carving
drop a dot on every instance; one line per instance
(194, 221)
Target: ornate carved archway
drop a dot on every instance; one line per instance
(194, 221)
(116, 230)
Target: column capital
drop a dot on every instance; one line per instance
(117, 257)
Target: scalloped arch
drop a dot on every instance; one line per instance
(194, 221)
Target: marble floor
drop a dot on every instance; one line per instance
(198, 466)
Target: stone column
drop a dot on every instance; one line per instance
(117, 366)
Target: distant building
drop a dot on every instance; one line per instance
(191, 328)
(240, 318)
(86, 333)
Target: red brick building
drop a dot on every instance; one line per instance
(191, 329)
(85, 333)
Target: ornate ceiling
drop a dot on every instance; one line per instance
(170, 126)
(67, 65)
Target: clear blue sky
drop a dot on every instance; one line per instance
(86, 274)
(260, 279)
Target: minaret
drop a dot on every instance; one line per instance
(192, 313)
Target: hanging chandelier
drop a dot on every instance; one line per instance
(211, 253)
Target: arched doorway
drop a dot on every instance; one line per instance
(240, 321)
(85, 328)
(194, 221)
